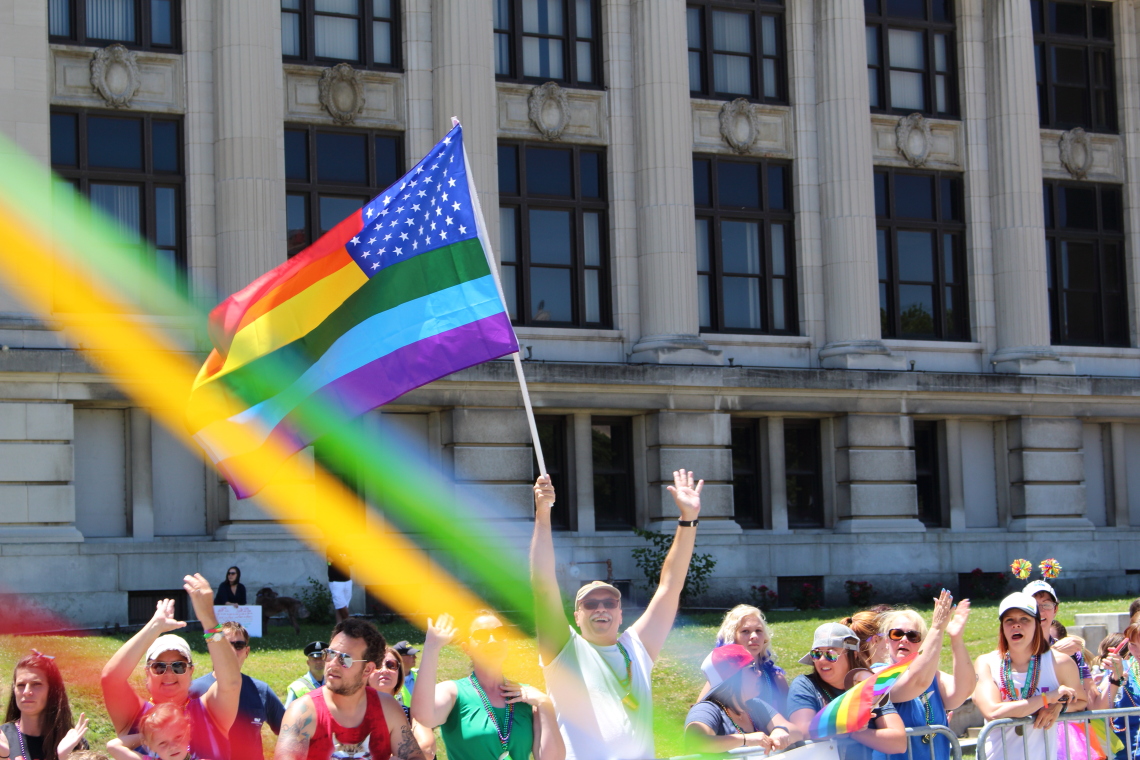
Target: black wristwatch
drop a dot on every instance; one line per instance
(1115, 681)
(688, 523)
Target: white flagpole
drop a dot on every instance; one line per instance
(485, 240)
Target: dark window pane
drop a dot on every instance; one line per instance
(335, 210)
(387, 161)
(59, 18)
(1035, 9)
(508, 169)
(64, 147)
(871, 7)
(802, 472)
(1077, 207)
(1070, 105)
(296, 155)
(1101, 22)
(914, 196)
(1048, 207)
(1067, 18)
(1069, 66)
(552, 438)
(742, 303)
(591, 174)
(165, 217)
(161, 24)
(740, 244)
(702, 190)
(1078, 266)
(942, 10)
(613, 494)
(1110, 209)
(1079, 311)
(550, 238)
(548, 172)
(342, 158)
(745, 474)
(776, 183)
(952, 323)
(164, 141)
(114, 143)
(951, 205)
(881, 207)
(916, 311)
(738, 184)
(926, 472)
(907, 8)
(550, 295)
(296, 222)
(916, 256)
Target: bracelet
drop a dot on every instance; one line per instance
(1044, 699)
(1115, 681)
(207, 634)
(681, 523)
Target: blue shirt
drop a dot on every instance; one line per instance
(913, 714)
(803, 694)
(256, 705)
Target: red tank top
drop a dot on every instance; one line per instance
(331, 737)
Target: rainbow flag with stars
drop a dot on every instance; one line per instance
(851, 711)
(397, 295)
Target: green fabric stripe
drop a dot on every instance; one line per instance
(397, 284)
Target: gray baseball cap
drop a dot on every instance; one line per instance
(834, 635)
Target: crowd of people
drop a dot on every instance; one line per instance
(358, 697)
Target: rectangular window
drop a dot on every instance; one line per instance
(552, 213)
(921, 254)
(130, 167)
(745, 246)
(803, 473)
(736, 50)
(137, 24)
(911, 57)
(365, 33)
(548, 40)
(1074, 49)
(926, 467)
(612, 445)
(331, 173)
(552, 436)
(1084, 243)
(748, 508)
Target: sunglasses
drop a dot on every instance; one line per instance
(593, 604)
(239, 645)
(483, 635)
(817, 654)
(390, 665)
(231, 572)
(318, 655)
(344, 658)
(898, 634)
(178, 666)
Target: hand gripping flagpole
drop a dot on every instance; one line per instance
(485, 240)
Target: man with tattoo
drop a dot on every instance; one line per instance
(346, 716)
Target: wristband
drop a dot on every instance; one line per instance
(1115, 681)
(209, 634)
(688, 523)
(1044, 699)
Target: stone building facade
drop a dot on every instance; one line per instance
(870, 269)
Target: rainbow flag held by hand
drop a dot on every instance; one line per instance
(851, 711)
(397, 295)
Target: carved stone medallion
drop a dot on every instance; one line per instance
(1076, 152)
(115, 75)
(739, 125)
(914, 139)
(342, 93)
(549, 110)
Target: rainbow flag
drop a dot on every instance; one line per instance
(397, 295)
(851, 711)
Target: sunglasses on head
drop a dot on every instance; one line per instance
(239, 645)
(344, 658)
(178, 666)
(898, 634)
(817, 654)
(390, 665)
(593, 604)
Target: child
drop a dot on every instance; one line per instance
(165, 734)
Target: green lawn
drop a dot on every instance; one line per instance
(277, 658)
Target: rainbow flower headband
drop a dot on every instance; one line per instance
(1022, 568)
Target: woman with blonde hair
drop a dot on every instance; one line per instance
(745, 625)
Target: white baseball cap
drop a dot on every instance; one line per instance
(1036, 587)
(1019, 600)
(169, 643)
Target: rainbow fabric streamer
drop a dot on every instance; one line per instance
(851, 711)
(397, 295)
(1021, 568)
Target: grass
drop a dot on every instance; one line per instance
(277, 658)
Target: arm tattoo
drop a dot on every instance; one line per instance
(296, 731)
(408, 748)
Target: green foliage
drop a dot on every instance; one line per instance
(807, 597)
(985, 585)
(859, 593)
(318, 600)
(764, 598)
(649, 560)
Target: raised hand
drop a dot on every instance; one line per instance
(1113, 664)
(163, 619)
(686, 495)
(513, 693)
(543, 493)
(72, 738)
(200, 592)
(943, 606)
(440, 633)
(957, 625)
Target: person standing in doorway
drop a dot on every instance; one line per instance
(340, 581)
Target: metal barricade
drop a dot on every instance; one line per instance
(1068, 748)
(955, 748)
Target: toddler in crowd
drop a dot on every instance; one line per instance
(165, 734)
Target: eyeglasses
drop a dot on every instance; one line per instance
(390, 665)
(593, 604)
(483, 635)
(178, 666)
(817, 654)
(344, 658)
(898, 634)
(239, 645)
(1046, 606)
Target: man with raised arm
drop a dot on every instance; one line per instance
(600, 680)
(344, 717)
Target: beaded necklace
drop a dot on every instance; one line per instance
(20, 735)
(1008, 689)
(503, 738)
(728, 715)
(626, 683)
(1134, 671)
(928, 712)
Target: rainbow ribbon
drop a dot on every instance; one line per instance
(851, 711)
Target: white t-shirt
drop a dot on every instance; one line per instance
(583, 683)
(1006, 743)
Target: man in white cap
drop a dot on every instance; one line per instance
(600, 679)
(1047, 604)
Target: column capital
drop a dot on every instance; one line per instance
(675, 349)
(861, 354)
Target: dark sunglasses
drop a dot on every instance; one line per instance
(344, 658)
(483, 635)
(178, 666)
(318, 655)
(390, 665)
(817, 654)
(898, 634)
(232, 572)
(593, 604)
(239, 645)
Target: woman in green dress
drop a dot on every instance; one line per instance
(483, 716)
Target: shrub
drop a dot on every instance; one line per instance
(318, 600)
(764, 598)
(924, 593)
(807, 597)
(983, 585)
(649, 560)
(859, 593)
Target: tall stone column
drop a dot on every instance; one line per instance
(847, 197)
(666, 236)
(463, 84)
(696, 441)
(249, 171)
(874, 467)
(420, 134)
(1046, 465)
(1019, 260)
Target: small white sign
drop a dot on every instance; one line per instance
(248, 615)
